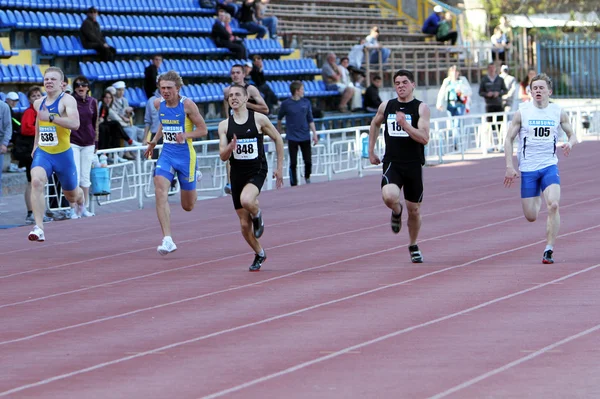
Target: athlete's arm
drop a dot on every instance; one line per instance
(71, 118)
(191, 109)
(513, 130)
(267, 128)
(159, 133)
(225, 148)
(225, 102)
(374, 130)
(565, 125)
(260, 105)
(420, 134)
(36, 106)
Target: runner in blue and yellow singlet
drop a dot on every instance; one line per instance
(178, 115)
(57, 116)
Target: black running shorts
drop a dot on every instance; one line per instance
(405, 175)
(239, 179)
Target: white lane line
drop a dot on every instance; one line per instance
(293, 313)
(514, 363)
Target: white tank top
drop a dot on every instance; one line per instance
(538, 136)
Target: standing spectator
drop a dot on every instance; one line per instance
(268, 22)
(506, 29)
(492, 89)
(432, 24)
(12, 99)
(297, 112)
(5, 135)
(223, 37)
(228, 6)
(92, 37)
(257, 75)
(499, 45)
(454, 93)
(372, 100)
(84, 141)
(248, 19)
(372, 44)
(511, 86)
(151, 75)
(23, 147)
(333, 80)
(525, 86)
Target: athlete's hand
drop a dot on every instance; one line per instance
(374, 158)
(566, 148)
(180, 138)
(278, 176)
(232, 144)
(149, 150)
(401, 118)
(510, 176)
(44, 114)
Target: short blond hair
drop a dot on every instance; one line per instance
(544, 77)
(58, 70)
(171, 76)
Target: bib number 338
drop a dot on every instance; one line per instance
(246, 149)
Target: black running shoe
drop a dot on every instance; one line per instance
(396, 221)
(547, 259)
(415, 254)
(258, 261)
(258, 225)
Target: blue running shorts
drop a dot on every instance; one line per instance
(63, 164)
(182, 163)
(534, 183)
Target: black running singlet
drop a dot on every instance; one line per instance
(399, 146)
(249, 151)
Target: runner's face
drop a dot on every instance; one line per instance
(540, 91)
(236, 98)
(52, 82)
(404, 87)
(237, 75)
(168, 90)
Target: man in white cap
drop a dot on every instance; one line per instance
(125, 112)
(12, 99)
(433, 23)
(510, 82)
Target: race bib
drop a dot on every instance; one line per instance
(246, 149)
(48, 136)
(540, 131)
(170, 134)
(394, 129)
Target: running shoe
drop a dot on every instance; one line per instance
(30, 219)
(36, 234)
(547, 258)
(166, 247)
(259, 226)
(87, 214)
(74, 214)
(258, 261)
(415, 254)
(396, 221)
(227, 189)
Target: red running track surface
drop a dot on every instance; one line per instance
(338, 310)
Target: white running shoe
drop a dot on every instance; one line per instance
(36, 234)
(166, 247)
(73, 214)
(87, 214)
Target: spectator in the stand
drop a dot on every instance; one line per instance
(151, 74)
(375, 48)
(505, 27)
(229, 6)
(125, 113)
(357, 55)
(110, 130)
(511, 86)
(454, 94)
(23, 147)
(433, 22)
(372, 101)
(356, 104)
(525, 86)
(268, 22)
(248, 19)
(84, 140)
(223, 37)
(333, 81)
(492, 89)
(5, 135)
(499, 45)
(258, 77)
(299, 123)
(92, 37)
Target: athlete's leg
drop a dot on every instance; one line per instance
(39, 179)
(163, 211)
(531, 207)
(247, 229)
(414, 221)
(552, 196)
(249, 199)
(530, 194)
(188, 199)
(391, 197)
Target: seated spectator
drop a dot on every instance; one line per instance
(92, 38)
(124, 114)
(268, 22)
(372, 43)
(110, 131)
(151, 74)
(223, 37)
(258, 78)
(229, 6)
(356, 104)
(372, 100)
(499, 45)
(247, 18)
(356, 55)
(332, 76)
(432, 24)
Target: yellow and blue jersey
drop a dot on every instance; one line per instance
(53, 139)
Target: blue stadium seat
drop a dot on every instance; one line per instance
(87, 72)
(7, 19)
(141, 96)
(4, 74)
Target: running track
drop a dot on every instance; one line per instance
(338, 310)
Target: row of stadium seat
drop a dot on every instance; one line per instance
(7, 53)
(71, 45)
(20, 74)
(146, 6)
(191, 68)
(111, 23)
(312, 88)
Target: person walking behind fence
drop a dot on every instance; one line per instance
(511, 89)
(52, 153)
(406, 133)
(297, 112)
(178, 117)
(537, 125)
(241, 142)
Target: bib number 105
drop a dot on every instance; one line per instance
(541, 132)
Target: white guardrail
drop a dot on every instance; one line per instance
(338, 151)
